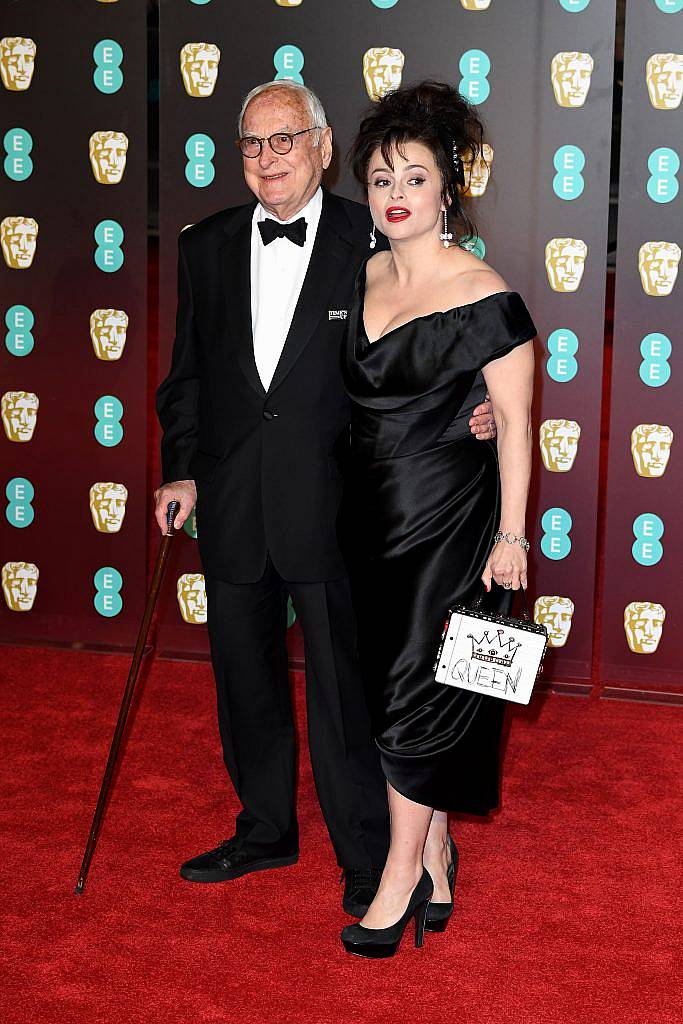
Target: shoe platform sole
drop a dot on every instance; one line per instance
(217, 875)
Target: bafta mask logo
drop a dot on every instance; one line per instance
(651, 448)
(17, 61)
(18, 238)
(658, 267)
(565, 259)
(108, 156)
(192, 598)
(108, 329)
(382, 71)
(559, 444)
(19, 414)
(20, 585)
(478, 172)
(108, 506)
(664, 75)
(289, 3)
(476, 5)
(555, 613)
(199, 68)
(570, 73)
(643, 625)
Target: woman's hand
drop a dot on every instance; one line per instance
(507, 565)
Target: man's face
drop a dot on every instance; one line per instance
(17, 63)
(19, 242)
(665, 80)
(571, 77)
(651, 450)
(559, 444)
(658, 264)
(556, 615)
(284, 184)
(108, 333)
(200, 70)
(19, 584)
(19, 415)
(109, 159)
(643, 623)
(565, 264)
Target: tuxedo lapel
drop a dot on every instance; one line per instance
(236, 281)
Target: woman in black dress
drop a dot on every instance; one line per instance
(432, 328)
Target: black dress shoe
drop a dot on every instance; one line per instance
(439, 914)
(227, 861)
(379, 943)
(360, 889)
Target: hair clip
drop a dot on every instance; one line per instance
(458, 165)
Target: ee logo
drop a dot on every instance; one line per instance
(568, 183)
(648, 530)
(289, 63)
(109, 254)
(663, 165)
(474, 67)
(19, 492)
(19, 340)
(574, 6)
(384, 5)
(556, 542)
(200, 2)
(108, 413)
(669, 6)
(108, 57)
(190, 524)
(200, 151)
(108, 583)
(476, 246)
(291, 614)
(562, 346)
(655, 349)
(18, 164)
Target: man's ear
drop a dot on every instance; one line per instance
(326, 146)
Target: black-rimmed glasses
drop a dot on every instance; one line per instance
(280, 143)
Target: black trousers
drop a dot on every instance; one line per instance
(247, 631)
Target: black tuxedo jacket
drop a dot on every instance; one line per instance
(266, 464)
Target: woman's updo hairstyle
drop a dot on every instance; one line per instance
(434, 114)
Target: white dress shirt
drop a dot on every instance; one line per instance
(277, 275)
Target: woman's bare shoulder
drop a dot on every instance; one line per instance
(376, 266)
(477, 281)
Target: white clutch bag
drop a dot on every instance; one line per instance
(491, 654)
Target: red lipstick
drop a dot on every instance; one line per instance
(395, 214)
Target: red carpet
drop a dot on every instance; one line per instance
(565, 907)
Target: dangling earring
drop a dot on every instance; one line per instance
(373, 240)
(446, 236)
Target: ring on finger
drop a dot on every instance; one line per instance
(507, 584)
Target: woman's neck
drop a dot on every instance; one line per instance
(419, 260)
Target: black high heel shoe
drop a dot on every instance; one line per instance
(378, 943)
(439, 914)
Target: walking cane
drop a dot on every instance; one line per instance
(171, 512)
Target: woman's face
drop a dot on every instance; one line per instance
(407, 201)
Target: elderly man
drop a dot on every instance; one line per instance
(255, 424)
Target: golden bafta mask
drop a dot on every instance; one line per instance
(658, 267)
(192, 598)
(565, 259)
(559, 444)
(476, 5)
(108, 156)
(478, 172)
(20, 585)
(643, 625)
(17, 61)
(651, 448)
(199, 68)
(555, 613)
(19, 414)
(664, 74)
(108, 506)
(18, 238)
(108, 333)
(382, 71)
(107, 1)
(289, 3)
(571, 77)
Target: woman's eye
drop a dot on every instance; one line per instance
(381, 182)
(416, 181)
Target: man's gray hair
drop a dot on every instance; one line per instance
(311, 101)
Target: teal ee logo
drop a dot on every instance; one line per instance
(669, 6)
(19, 340)
(289, 63)
(190, 524)
(562, 347)
(109, 254)
(663, 165)
(655, 349)
(108, 57)
(19, 492)
(474, 67)
(556, 542)
(200, 151)
(574, 6)
(108, 583)
(476, 246)
(200, 2)
(384, 5)
(568, 183)
(291, 614)
(18, 144)
(648, 530)
(108, 413)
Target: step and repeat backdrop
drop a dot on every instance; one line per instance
(541, 73)
(642, 594)
(73, 303)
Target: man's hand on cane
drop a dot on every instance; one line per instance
(183, 491)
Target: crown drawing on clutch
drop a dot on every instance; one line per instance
(492, 648)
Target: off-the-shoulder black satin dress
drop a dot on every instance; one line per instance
(421, 506)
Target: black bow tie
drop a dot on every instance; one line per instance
(272, 229)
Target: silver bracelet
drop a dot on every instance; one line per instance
(512, 538)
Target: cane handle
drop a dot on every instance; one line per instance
(171, 512)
